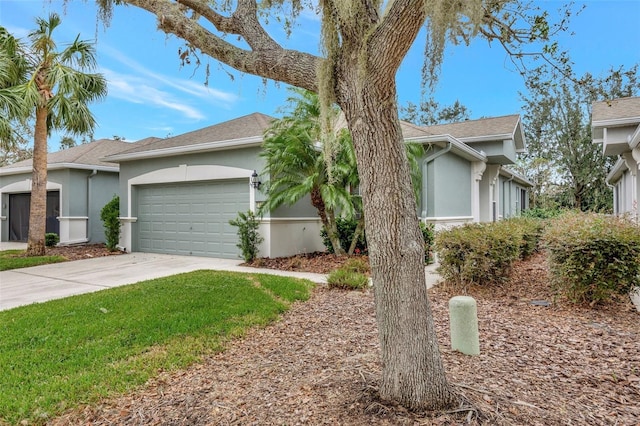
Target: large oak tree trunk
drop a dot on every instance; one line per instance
(413, 374)
(38, 214)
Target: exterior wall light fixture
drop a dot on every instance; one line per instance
(254, 180)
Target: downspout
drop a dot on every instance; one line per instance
(88, 233)
(425, 166)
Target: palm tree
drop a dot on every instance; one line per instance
(297, 164)
(55, 85)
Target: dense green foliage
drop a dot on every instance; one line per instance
(568, 170)
(250, 238)
(51, 239)
(79, 350)
(350, 276)
(593, 257)
(483, 253)
(542, 212)
(109, 215)
(346, 229)
(15, 259)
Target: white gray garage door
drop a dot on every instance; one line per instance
(191, 218)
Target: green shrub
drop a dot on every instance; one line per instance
(357, 264)
(529, 230)
(110, 214)
(478, 253)
(428, 234)
(347, 279)
(51, 239)
(250, 238)
(542, 213)
(593, 257)
(346, 229)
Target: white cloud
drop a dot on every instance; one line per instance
(137, 90)
(189, 87)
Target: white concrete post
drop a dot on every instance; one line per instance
(463, 321)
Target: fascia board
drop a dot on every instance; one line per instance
(505, 171)
(187, 149)
(60, 166)
(635, 138)
(615, 122)
(487, 138)
(467, 151)
(617, 170)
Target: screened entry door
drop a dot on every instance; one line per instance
(19, 208)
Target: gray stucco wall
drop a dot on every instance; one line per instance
(246, 158)
(449, 187)
(452, 186)
(102, 188)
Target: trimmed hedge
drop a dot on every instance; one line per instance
(483, 253)
(593, 257)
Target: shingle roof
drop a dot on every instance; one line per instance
(477, 128)
(616, 109)
(243, 127)
(88, 154)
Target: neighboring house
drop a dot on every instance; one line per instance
(79, 184)
(616, 125)
(177, 195)
(465, 178)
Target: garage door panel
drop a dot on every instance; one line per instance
(191, 218)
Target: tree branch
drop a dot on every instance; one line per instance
(265, 59)
(402, 22)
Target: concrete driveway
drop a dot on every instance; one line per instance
(38, 284)
(47, 282)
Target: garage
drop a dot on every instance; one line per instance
(191, 219)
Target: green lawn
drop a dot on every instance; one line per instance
(13, 259)
(57, 355)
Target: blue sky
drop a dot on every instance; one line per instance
(150, 94)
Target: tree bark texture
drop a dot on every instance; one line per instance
(412, 373)
(38, 206)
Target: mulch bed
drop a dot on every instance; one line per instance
(83, 251)
(319, 364)
(319, 263)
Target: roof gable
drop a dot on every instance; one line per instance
(616, 109)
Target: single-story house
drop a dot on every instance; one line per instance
(79, 184)
(616, 125)
(178, 194)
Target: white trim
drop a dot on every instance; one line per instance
(475, 155)
(615, 122)
(73, 218)
(518, 177)
(289, 219)
(616, 171)
(441, 218)
(488, 138)
(25, 186)
(59, 166)
(127, 219)
(634, 141)
(185, 149)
